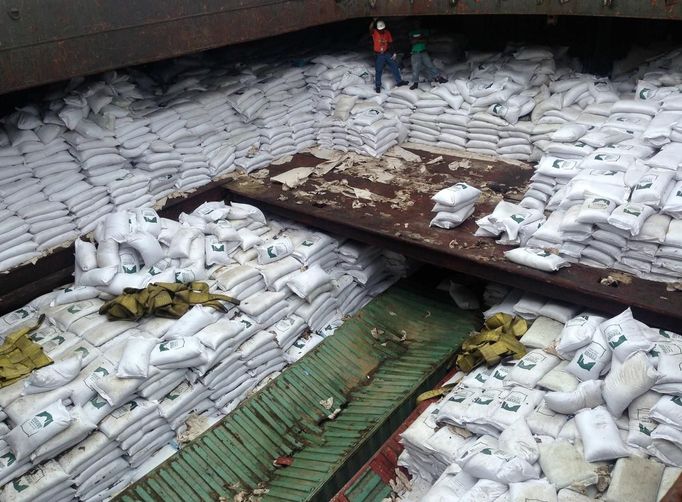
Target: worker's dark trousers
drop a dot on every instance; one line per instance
(421, 63)
(386, 60)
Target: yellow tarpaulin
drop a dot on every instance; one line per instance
(163, 300)
(499, 338)
(19, 355)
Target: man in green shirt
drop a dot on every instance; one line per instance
(421, 59)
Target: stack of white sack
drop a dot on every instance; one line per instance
(610, 169)
(211, 117)
(287, 122)
(510, 223)
(16, 244)
(370, 130)
(119, 392)
(33, 196)
(423, 123)
(195, 170)
(588, 413)
(159, 160)
(329, 76)
(118, 142)
(454, 205)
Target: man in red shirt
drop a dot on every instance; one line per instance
(382, 41)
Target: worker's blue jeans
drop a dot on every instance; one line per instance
(386, 60)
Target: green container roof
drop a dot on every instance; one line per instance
(371, 369)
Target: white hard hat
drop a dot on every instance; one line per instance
(381, 25)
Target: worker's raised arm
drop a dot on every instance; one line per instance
(371, 26)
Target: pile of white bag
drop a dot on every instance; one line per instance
(126, 141)
(119, 392)
(590, 412)
(454, 205)
(608, 171)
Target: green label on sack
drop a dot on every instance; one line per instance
(644, 430)
(74, 309)
(563, 164)
(526, 366)
(483, 401)
(599, 203)
(511, 407)
(37, 423)
(101, 371)
(518, 218)
(129, 269)
(585, 365)
(617, 341)
(633, 212)
(47, 416)
(218, 247)
(677, 400)
(271, 252)
(171, 345)
(18, 486)
(98, 402)
(8, 459)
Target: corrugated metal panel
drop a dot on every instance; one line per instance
(368, 370)
(384, 462)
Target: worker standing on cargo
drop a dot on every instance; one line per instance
(382, 42)
(421, 59)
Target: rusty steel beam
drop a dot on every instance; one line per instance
(398, 216)
(43, 41)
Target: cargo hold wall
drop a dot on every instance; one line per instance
(43, 42)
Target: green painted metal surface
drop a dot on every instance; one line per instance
(369, 488)
(373, 367)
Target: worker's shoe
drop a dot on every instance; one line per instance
(377, 89)
(414, 86)
(441, 80)
(402, 83)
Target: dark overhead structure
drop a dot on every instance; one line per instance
(47, 41)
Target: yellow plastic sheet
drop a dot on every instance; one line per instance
(162, 299)
(19, 355)
(499, 338)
